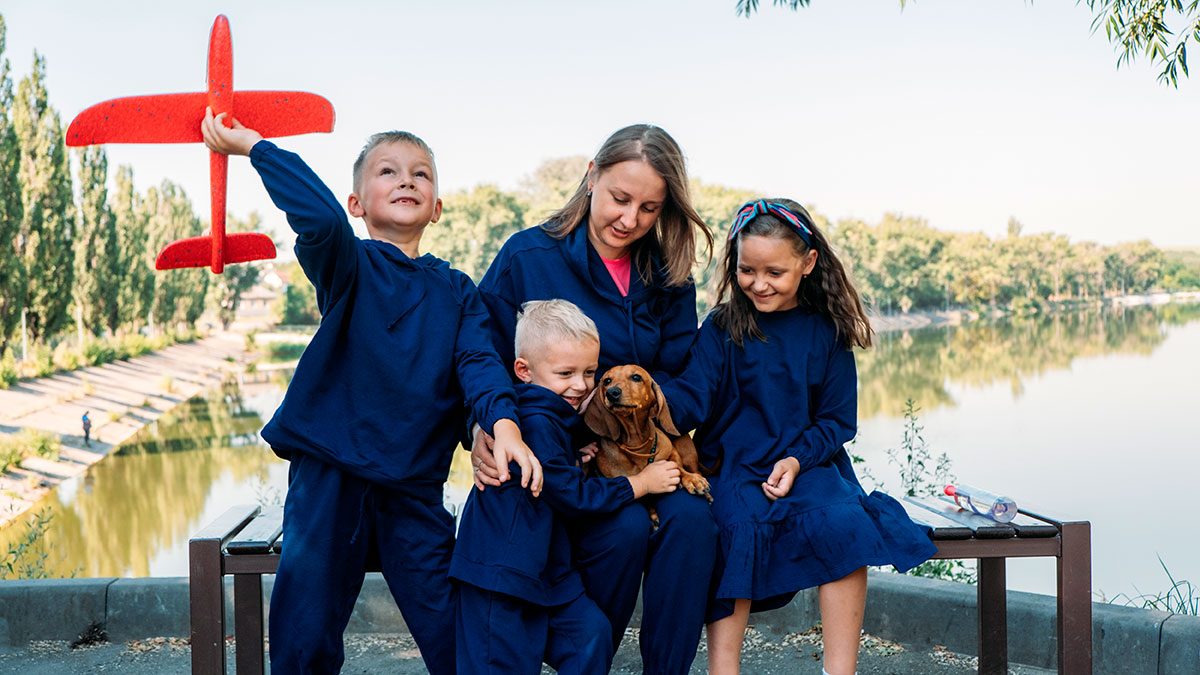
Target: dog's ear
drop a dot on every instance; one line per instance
(601, 420)
(664, 414)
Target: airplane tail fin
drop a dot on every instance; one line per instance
(197, 251)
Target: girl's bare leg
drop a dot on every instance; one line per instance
(725, 640)
(842, 604)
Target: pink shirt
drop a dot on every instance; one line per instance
(619, 271)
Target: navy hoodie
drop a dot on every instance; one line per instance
(653, 326)
(513, 543)
(379, 391)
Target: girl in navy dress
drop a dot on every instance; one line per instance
(772, 388)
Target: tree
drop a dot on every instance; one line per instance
(97, 283)
(178, 294)
(298, 306)
(135, 260)
(47, 232)
(473, 226)
(225, 289)
(1136, 27)
(551, 185)
(12, 269)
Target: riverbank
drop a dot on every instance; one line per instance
(120, 398)
(883, 323)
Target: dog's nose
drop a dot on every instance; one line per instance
(613, 393)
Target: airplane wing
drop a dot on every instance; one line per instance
(175, 118)
(197, 251)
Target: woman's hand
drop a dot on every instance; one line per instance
(219, 138)
(482, 461)
(779, 483)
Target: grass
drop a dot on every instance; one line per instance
(285, 351)
(1181, 598)
(28, 442)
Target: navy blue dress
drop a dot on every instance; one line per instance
(653, 326)
(794, 395)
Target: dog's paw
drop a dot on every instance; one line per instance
(696, 484)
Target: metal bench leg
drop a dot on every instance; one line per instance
(1075, 600)
(207, 600)
(993, 617)
(248, 623)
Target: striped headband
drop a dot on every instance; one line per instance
(761, 207)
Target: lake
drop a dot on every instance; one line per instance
(1084, 414)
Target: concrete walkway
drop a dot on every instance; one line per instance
(120, 398)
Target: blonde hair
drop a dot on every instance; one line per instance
(387, 138)
(674, 235)
(541, 322)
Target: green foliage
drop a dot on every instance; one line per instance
(97, 279)
(28, 442)
(12, 268)
(285, 351)
(298, 304)
(8, 370)
(474, 224)
(225, 290)
(26, 558)
(1135, 27)
(48, 223)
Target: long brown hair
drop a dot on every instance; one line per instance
(674, 235)
(827, 290)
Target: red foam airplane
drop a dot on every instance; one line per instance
(175, 118)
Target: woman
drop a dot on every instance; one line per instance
(622, 249)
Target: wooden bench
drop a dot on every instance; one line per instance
(960, 534)
(245, 543)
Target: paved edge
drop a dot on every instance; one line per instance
(916, 612)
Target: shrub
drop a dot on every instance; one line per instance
(8, 370)
(65, 358)
(99, 352)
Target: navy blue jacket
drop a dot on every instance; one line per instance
(653, 326)
(379, 391)
(513, 543)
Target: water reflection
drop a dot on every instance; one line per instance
(151, 494)
(922, 364)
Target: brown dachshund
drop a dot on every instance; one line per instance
(630, 415)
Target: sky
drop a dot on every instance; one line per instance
(961, 113)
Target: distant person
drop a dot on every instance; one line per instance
(87, 429)
(622, 250)
(376, 406)
(521, 601)
(772, 392)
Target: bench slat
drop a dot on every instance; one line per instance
(942, 528)
(1032, 527)
(228, 524)
(260, 534)
(984, 528)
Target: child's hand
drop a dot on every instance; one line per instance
(656, 478)
(779, 483)
(588, 452)
(222, 139)
(509, 447)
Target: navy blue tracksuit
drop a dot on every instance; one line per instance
(369, 422)
(521, 601)
(653, 326)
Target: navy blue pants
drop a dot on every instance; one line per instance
(613, 553)
(332, 521)
(497, 633)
